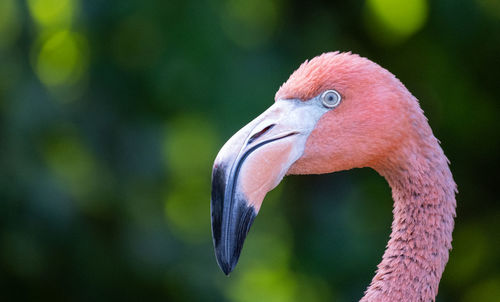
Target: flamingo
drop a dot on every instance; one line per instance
(336, 112)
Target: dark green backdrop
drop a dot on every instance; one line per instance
(112, 112)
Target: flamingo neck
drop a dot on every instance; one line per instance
(424, 208)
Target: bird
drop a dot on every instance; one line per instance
(340, 111)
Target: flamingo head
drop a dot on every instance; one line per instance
(337, 111)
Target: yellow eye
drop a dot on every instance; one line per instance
(330, 98)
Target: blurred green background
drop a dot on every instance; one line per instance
(112, 113)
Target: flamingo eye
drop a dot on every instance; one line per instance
(330, 98)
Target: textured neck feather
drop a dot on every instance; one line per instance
(424, 208)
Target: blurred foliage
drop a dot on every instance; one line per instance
(392, 21)
(112, 112)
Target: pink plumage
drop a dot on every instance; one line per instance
(378, 124)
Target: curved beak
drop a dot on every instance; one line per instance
(249, 165)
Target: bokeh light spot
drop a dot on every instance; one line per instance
(49, 13)
(276, 284)
(394, 21)
(190, 146)
(62, 59)
(266, 284)
(10, 23)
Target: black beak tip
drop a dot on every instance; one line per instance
(232, 217)
(229, 245)
(226, 264)
(226, 268)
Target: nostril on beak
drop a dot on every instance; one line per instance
(258, 134)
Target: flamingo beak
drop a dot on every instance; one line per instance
(249, 165)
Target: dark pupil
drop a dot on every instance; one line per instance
(330, 98)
